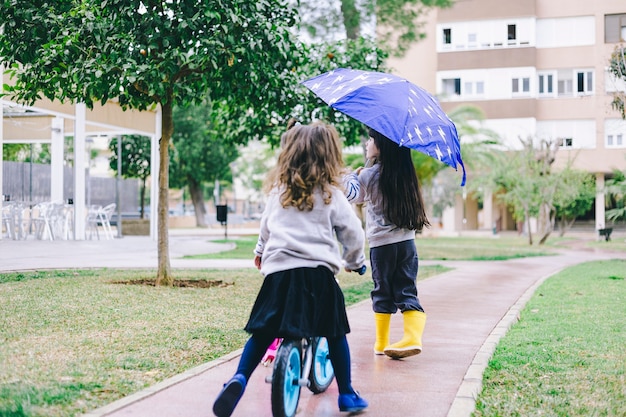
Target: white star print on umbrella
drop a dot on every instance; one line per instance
(394, 107)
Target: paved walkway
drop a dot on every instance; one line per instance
(469, 309)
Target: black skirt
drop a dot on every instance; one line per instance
(302, 302)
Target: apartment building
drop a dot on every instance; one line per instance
(537, 68)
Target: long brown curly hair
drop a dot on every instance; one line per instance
(310, 160)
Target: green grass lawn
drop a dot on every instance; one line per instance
(429, 248)
(565, 356)
(73, 341)
(478, 249)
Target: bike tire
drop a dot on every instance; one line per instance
(322, 373)
(286, 374)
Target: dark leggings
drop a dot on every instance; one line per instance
(339, 353)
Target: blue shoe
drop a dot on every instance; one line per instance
(229, 396)
(352, 402)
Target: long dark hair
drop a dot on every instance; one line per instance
(403, 204)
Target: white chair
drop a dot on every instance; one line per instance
(61, 220)
(7, 220)
(98, 216)
(105, 215)
(13, 220)
(41, 218)
(91, 223)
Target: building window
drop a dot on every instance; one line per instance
(451, 86)
(584, 82)
(565, 83)
(473, 88)
(615, 28)
(447, 36)
(471, 40)
(511, 33)
(545, 84)
(614, 141)
(566, 142)
(521, 85)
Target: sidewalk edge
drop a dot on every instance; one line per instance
(464, 403)
(160, 386)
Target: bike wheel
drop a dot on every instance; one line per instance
(287, 372)
(322, 372)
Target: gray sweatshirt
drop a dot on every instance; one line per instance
(364, 189)
(290, 238)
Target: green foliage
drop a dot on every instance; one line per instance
(426, 167)
(38, 153)
(479, 147)
(135, 156)
(401, 24)
(575, 194)
(146, 53)
(524, 181)
(617, 67)
(616, 189)
(202, 150)
(135, 161)
(354, 160)
(305, 106)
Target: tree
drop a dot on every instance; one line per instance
(27, 152)
(155, 52)
(514, 184)
(574, 198)
(398, 23)
(362, 53)
(525, 181)
(250, 170)
(200, 153)
(479, 146)
(617, 67)
(135, 162)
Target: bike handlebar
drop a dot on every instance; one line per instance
(361, 270)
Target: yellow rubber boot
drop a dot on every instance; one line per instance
(382, 321)
(411, 342)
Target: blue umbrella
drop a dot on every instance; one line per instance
(393, 106)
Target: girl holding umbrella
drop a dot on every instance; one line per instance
(394, 212)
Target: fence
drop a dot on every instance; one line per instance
(23, 181)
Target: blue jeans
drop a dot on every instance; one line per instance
(394, 271)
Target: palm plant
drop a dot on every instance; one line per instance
(616, 189)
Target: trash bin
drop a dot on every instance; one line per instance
(222, 214)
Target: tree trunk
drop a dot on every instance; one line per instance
(530, 234)
(142, 199)
(164, 275)
(351, 19)
(549, 226)
(197, 198)
(565, 224)
(544, 238)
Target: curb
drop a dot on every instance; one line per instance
(464, 403)
(176, 379)
(160, 386)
